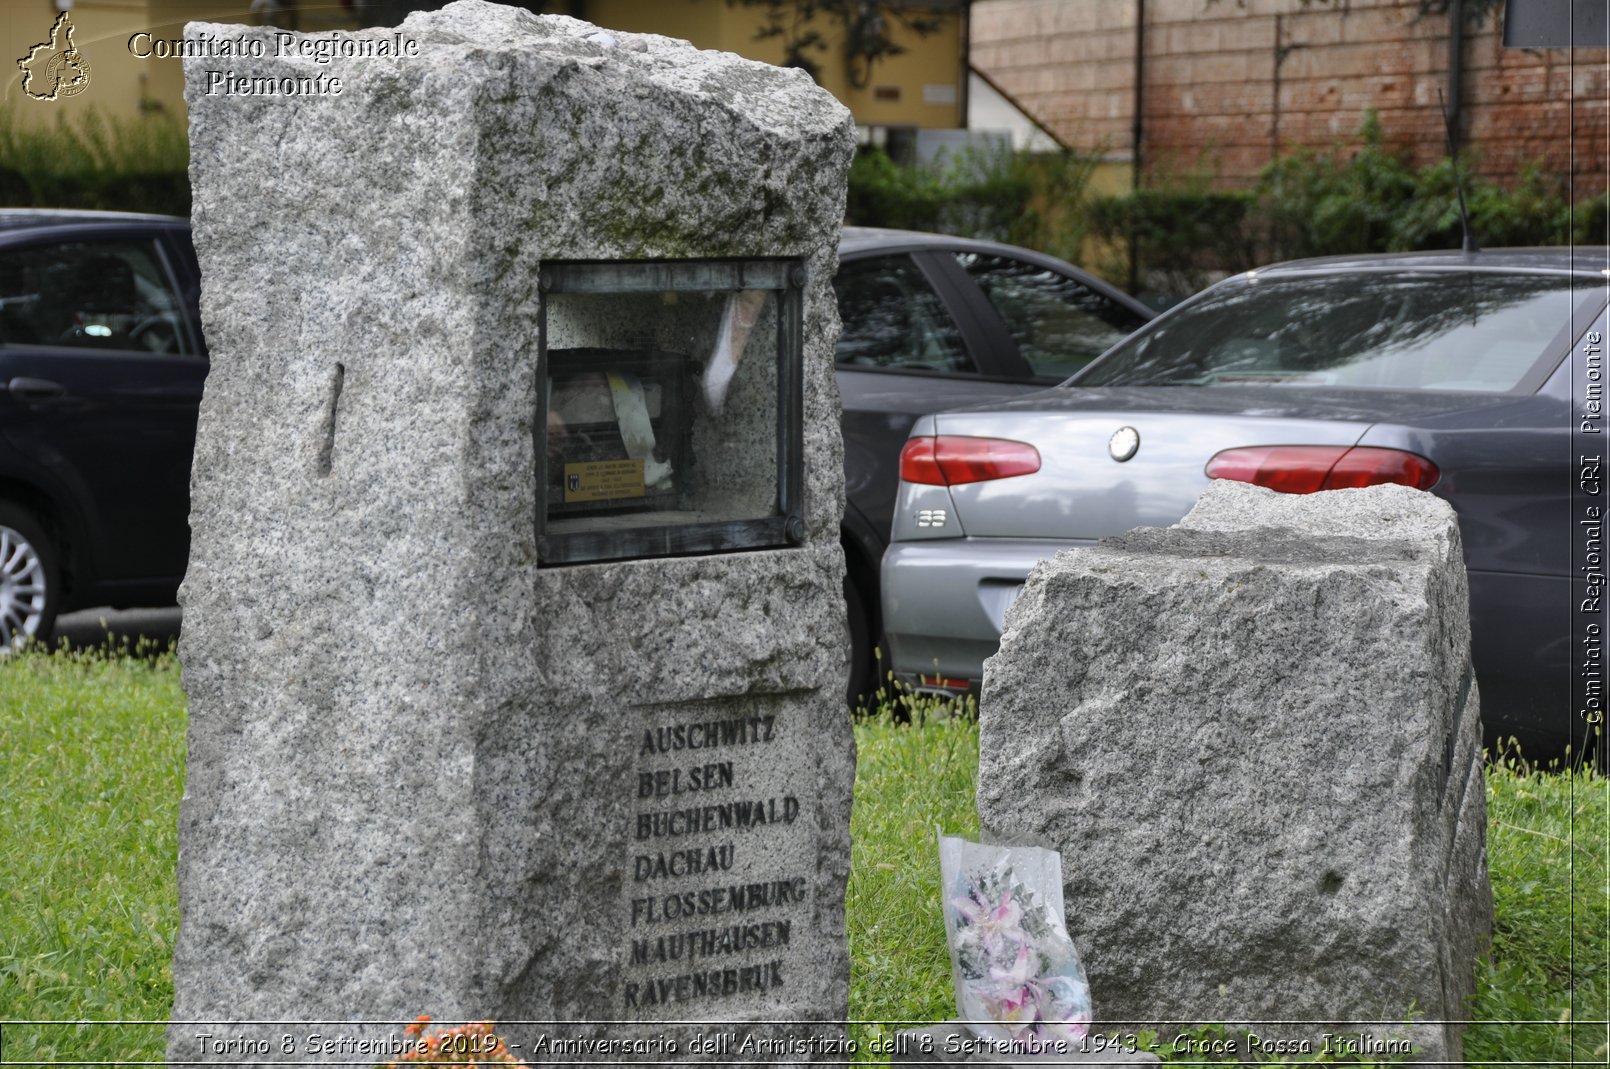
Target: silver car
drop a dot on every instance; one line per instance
(1447, 372)
(929, 322)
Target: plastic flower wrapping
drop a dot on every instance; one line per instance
(1019, 983)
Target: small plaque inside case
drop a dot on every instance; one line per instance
(668, 413)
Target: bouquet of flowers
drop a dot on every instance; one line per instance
(1018, 978)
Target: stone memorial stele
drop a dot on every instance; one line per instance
(1255, 738)
(514, 635)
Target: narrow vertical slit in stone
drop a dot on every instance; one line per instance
(327, 451)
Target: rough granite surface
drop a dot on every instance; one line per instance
(1255, 738)
(416, 760)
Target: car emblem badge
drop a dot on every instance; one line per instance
(1123, 444)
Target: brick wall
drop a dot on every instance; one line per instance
(1229, 84)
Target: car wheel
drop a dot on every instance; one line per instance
(28, 580)
(864, 688)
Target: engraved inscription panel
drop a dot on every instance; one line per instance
(720, 848)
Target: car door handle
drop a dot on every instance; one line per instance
(26, 389)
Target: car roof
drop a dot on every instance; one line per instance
(1577, 259)
(854, 240)
(38, 218)
(859, 238)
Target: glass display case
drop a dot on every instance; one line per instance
(669, 415)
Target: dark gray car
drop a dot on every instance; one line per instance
(1461, 374)
(932, 322)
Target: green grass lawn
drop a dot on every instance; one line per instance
(89, 802)
(93, 754)
(1547, 844)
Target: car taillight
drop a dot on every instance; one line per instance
(1304, 469)
(950, 459)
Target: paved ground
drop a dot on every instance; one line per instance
(127, 628)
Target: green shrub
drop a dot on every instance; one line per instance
(1373, 201)
(1534, 212)
(883, 193)
(1588, 222)
(1339, 202)
(995, 194)
(138, 165)
(1321, 204)
(1179, 236)
(992, 196)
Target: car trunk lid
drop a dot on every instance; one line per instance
(1083, 491)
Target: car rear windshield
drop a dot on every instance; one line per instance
(1444, 330)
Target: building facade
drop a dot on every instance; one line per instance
(1222, 87)
(919, 83)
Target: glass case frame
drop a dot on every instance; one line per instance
(785, 279)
